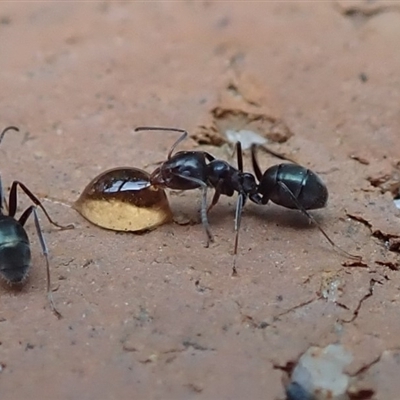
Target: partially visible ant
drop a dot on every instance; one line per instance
(15, 253)
(288, 185)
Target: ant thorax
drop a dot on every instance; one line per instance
(248, 183)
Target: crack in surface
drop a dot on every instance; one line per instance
(364, 12)
(253, 322)
(393, 266)
(391, 241)
(305, 303)
(370, 292)
(366, 367)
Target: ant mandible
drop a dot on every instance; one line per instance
(15, 253)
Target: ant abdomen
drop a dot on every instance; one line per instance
(14, 251)
(306, 186)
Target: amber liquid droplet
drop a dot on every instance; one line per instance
(123, 199)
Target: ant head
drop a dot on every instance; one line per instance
(9, 128)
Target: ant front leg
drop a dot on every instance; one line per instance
(217, 195)
(27, 213)
(241, 200)
(203, 215)
(34, 199)
(203, 210)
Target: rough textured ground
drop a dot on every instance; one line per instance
(158, 316)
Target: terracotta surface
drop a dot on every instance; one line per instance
(158, 316)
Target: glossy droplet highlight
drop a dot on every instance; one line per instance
(123, 199)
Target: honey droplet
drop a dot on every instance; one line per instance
(123, 199)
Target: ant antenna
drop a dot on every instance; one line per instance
(159, 128)
(9, 128)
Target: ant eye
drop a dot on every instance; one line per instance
(123, 199)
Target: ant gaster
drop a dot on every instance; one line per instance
(288, 185)
(295, 187)
(15, 253)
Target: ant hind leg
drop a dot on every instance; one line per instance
(312, 219)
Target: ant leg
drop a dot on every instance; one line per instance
(276, 154)
(203, 210)
(215, 199)
(45, 253)
(217, 195)
(208, 156)
(203, 214)
(256, 166)
(2, 198)
(258, 199)
(158, 128)
(312, 219)
(238, 217)
(34, 199)
(14, 128)
(239, 154)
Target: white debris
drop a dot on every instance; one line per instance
(319, 374)
(245, 137)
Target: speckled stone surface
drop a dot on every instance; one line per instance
(158, 316)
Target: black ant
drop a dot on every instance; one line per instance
(15, 253)
(288, 185)
(186, 170)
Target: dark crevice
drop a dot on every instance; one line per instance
(372, 283)
(365, 11)
(390, 241)
(363, 394)
(305, 303)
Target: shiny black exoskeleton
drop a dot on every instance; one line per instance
(186, 170)
(15, 253)
(288, 185)
(295, 187)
